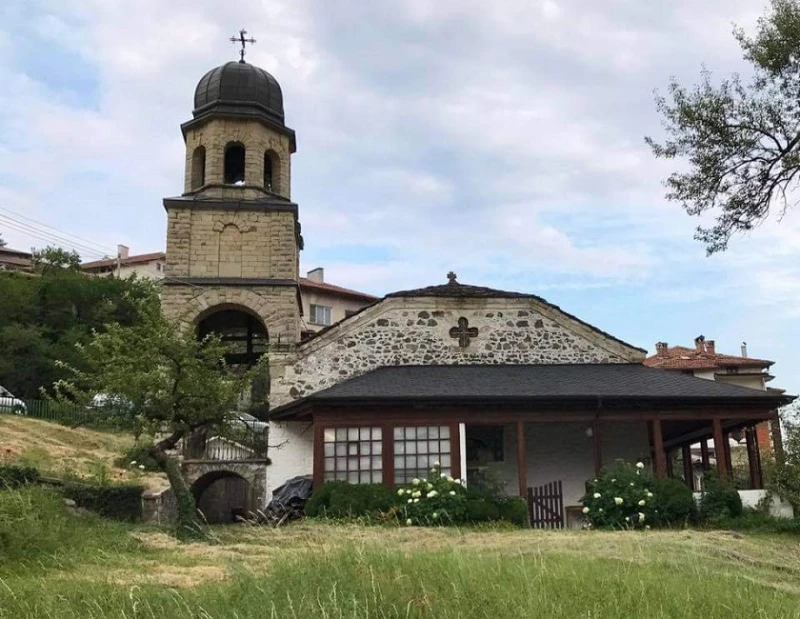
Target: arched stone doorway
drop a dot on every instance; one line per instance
(243, 334)
(223, 496)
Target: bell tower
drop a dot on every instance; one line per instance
(233, 236)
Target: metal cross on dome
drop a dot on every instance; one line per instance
(463, 332)
(243, 41)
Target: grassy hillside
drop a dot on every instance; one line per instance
(61, 451)
(58, 566)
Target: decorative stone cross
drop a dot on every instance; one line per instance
(451, 278)
(463, 332)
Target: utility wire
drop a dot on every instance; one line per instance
(50, 237)
(81, 240)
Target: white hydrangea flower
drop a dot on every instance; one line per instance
(408, 522)
(432, 494)
(627, 518)
(632, 484)
(410, 501)
(640, 465)
(429, 486)
(449, 479)
(437, 464)
(452, 493)
(415, 481)
(416, 495)
(141, 467)
(600, 510)
(133, 462)
(401, 492)
(641, 517)
(585, 510)
(618, 500)
(416, 500)
(613, 481)
(597, 495)
(435, 515)
(641, 503)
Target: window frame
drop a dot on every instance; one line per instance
(313, 317)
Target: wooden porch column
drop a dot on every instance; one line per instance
(704, 455)
(669, 454)
(596, 451)
(658, 448)
(319, 455)
(719, 449)
(728, 458)
(777, 441)
(522, 465)
(753, 459)
(688, 469)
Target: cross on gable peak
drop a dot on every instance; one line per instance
(451, 278)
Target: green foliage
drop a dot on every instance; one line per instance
(481, 510)
(783, 476)
(437, 499)
(720, 500)
(118, 502)
(138, 456)
(741, 141)
(339, 499)
(514, 510)
(673, 503)
(620, 498)
(43, 318)
(53, 259)
(757, 521)
(16, 476)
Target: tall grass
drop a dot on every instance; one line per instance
(59, 566)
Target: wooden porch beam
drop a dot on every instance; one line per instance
(719, 449)
(753, 458)
(658, 449)
(696, 435)
(688, 469)
(522, 465)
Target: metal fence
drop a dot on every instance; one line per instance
(237, 440)
(67, 414)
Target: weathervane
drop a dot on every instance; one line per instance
(243, 41)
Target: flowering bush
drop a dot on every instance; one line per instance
(436, 499)
(620, 497)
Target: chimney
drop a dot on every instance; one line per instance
(123, 251)
(711, 347)
(317, 275)
(661, 349)
(700, 343)
(744, 349)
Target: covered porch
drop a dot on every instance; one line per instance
(539, 431)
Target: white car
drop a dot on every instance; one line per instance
(9, 403)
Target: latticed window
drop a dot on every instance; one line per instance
(354, 455)
(418, 448)
(320, 314)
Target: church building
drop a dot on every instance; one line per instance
(476, 379)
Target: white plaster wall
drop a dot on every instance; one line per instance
(291, 451)
(564, 452)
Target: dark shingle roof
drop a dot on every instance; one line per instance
(610, 382)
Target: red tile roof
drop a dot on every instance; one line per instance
(107, 262)
(684, 358)
(307, 284)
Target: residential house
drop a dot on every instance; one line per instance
(148, 266)
(325, 304)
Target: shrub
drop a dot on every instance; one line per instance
(437, 499)
(481, 510)
(118, 502)
(620, 497)
(673, 503)
(514, 510)
(16, 476)
(719, 501)
(339, 499)
(138, 456)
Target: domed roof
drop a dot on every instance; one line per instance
(239, 88)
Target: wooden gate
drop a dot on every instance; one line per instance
(546, 506)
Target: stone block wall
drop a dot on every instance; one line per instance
(417, 332)
(226, 243)
(276, 306)
(257, 139)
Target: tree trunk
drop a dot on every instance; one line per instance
(187, 524)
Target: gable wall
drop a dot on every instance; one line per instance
(403, 331)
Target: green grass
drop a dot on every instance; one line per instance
(83, 567)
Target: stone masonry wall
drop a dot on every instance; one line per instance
(417, 332)
(256, 137)
(275, 305)
(211, 242)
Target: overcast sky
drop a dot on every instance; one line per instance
(502, 140)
